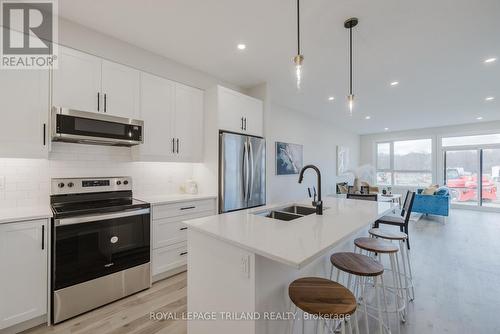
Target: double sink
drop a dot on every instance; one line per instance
(287, 213)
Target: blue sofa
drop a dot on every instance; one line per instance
(437, 204)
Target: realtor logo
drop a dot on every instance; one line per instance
(28, 34)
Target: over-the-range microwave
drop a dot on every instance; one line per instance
(77, 126)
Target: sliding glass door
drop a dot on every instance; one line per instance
(473, 176)
(491, 177)
(461, 175)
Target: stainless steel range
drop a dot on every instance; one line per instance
(100, 244)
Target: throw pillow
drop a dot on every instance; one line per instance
(430, 190)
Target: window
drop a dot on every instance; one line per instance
(471, 140)
(404, 163)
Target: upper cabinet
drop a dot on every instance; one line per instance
(239, 113)
(120, 89)
(188, 125)
(157, 112)
(77, 81)
(25, 106)
(173, 121)
(89, 83)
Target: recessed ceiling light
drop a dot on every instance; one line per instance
(394, 83)
(489, 98)
(385, 129)
(367, 117)
(331, 98)
(241, 46)
(490, 60)
(479, 118)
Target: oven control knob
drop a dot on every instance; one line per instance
(125, 182)
(118, 182)
(71, 184)
(61, 185)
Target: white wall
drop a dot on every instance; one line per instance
(319, 140)
(368, 142)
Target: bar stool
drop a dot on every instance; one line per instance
(401, 237)
(363, 268)
(324, 299)
(377, 247)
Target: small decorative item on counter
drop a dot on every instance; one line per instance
(191, 187)
(384, 192)
(389, 190)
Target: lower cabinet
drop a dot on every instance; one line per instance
(170, 235)
(23, 278)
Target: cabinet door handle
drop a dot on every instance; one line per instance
(245, 123)
(44, 134)
(173, 145)
(183, 228)
(105, 102)
(187, 208)
(98, 101)
(242, 123)
(43, 236)
(177, 145)
(183, 253)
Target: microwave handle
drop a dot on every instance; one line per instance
(93, 218)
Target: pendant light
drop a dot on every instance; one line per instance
(349, 24)
(298, 59)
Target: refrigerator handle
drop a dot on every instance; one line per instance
(245, 170)
(252, 172)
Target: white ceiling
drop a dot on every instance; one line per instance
(434, 48)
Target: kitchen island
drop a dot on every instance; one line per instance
(240, 263)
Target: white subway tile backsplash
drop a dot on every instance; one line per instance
(27, 181)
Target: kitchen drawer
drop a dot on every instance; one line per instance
(183, 208)
(168, 231)
(170, 257)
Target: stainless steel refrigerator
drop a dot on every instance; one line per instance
(242, 171)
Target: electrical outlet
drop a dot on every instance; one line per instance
(245, 266)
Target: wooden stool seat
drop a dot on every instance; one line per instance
(375, 245)
(322, 297)
(389, 235)
(357, 264)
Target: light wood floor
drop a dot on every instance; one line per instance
(457, 277)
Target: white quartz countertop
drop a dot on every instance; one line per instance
(297, 242)
(11, 215)
(171, 198)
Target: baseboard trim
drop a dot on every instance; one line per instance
(169, 273)
(28, 324)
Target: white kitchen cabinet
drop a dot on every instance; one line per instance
(188, 125)
(89, 83)
(157, 112)
(23, 282)
(25, 108)
(77, 81)
(120, 90)
(169, 235)
(239, 113)
(173, 121)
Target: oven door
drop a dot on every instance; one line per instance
(89, 247)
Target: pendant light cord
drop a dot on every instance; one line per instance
(350, 60)
(298, 27)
